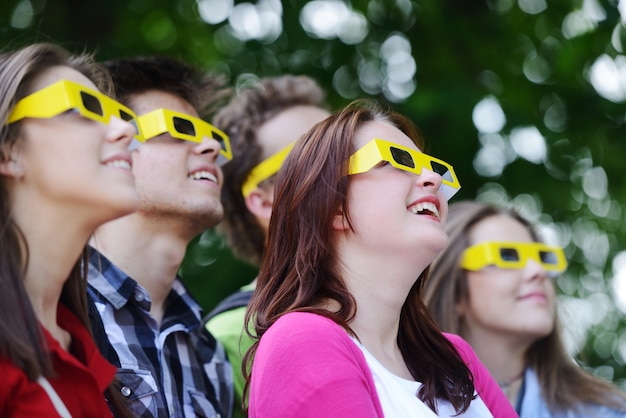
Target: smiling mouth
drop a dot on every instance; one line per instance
(425, 208)
(119, 164)
(203, 175)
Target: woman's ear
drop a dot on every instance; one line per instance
(11, 168)
(340, 223)
(259, 202)
(460, 308)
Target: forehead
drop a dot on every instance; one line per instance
(287, 126)
(150, 100)
(382, 130)
(54, 74)
(499, 228)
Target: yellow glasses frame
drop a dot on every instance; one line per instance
(183, 126)
(403, 158)
(513, 255)
(265, 169)
(65, 95)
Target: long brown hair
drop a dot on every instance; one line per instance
(564, 385)
(21, 338)
(300, 270)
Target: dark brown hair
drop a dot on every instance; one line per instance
(564, 385)
(206, 92)
(241, 119)
(21, 338)
(300, 269)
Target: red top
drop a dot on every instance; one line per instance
(82, 376)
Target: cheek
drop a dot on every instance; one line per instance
(489, 288)
(550, 292)
(443, 209)
(150, 162)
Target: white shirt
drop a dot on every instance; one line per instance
(398, 396)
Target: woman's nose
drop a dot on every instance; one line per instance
(429, 179)
(121, 130)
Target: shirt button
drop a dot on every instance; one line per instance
(139, 297)
(126, 391)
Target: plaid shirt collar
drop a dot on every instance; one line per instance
(119, 289)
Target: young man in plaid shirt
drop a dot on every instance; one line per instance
(168, 366)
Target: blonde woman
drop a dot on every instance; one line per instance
(493, 286)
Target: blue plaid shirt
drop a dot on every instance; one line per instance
(175, 370)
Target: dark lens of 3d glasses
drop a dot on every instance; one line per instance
(126, 116)
(219, 138)
(548, 257)
(509, 254)
(402, 157)
(440, 169)
(184, 126)
(91, 103)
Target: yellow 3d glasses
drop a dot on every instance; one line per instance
(185, 127)
(513, 255)
(264, 170)
(403, 158)
(65, 95)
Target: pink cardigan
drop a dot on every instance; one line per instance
(308, 366)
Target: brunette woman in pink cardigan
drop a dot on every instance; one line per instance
(340, 323)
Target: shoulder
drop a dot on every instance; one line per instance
(305, 336)
(107, 284)
(12, 377)
(316, 368)
(235, 301)
(462, 347)
(19, 396)
(469, 357)
(299, 319)
(594, 410)
(465, 350)
(484, 384)
(303, 327)
(227, 324)
(458, 342)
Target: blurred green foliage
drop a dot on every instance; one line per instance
(524, 97)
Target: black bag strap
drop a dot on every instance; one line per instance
(236, 300)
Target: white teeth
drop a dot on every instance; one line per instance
(203, 175)
(119, 164)
(422, 206)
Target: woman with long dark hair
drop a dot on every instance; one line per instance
(64, 170)
(341, 329)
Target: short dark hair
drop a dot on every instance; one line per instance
(205, 91)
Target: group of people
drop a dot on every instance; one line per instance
(374, 297)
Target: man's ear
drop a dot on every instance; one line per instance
(259, 202)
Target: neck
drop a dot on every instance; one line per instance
(504, 358)
(379, 285)
(148, 252)
(55, 243)
(509, 384)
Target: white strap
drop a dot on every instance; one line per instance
(56, 401)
